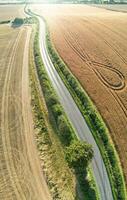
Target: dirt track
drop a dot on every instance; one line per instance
(92, 42)
(21, 176)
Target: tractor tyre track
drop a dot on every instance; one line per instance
(20, 174)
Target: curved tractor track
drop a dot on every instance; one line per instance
(21, 176)
(96, 66)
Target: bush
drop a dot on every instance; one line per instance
(72, 81)
(57, 111)
(30, 20)
(51, 99)
(61, 66)
(18, 21)
(64, 130)
(66, 73)
(5, 22)
(79, 154)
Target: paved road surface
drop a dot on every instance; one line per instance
(76, 119)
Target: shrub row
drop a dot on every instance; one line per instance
(43, 137)
(64, 129)
(94, 121)
(5, 22)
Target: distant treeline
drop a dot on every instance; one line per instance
(80, 1)
(65, 1)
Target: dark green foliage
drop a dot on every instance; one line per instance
(79, 154)
(57, 111)
(51, 99)
(30, 20)
(72, 82)
(111, 155)
(18, 21)
(5, 22)
(65, 72)
(64, 130)
(61, 66)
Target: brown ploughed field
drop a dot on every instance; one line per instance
(93, 43)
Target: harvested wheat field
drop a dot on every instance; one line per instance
(20, 172)
(93, 43)
(8, 12)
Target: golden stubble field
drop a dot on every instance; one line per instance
(93, 43)
(21, 175)
(10, 12)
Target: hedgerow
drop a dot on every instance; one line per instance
(64, 129)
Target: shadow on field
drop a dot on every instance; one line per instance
(83, 187)
(16, 26)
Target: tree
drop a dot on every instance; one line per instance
(64, 130)
(52, 99)
(18, 21)
(79, 154)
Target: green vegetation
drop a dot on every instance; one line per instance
(79, 154)
(65, 1)
(60, 124)
(79, 1)
(29, 20)
(94, 121)
(5, 22)
(18, 21)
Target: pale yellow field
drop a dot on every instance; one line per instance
(10, 11)
(20, 172)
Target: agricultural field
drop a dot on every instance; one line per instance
(8, 12)
(21, 175)
(114, 7)
(92, 42)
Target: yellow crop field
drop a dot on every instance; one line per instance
(20, 172)
(8, 12)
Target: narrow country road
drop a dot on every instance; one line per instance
(75, 117)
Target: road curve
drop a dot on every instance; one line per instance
(76, 118)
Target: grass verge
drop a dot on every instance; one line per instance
(54, 134)
(94, 121)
